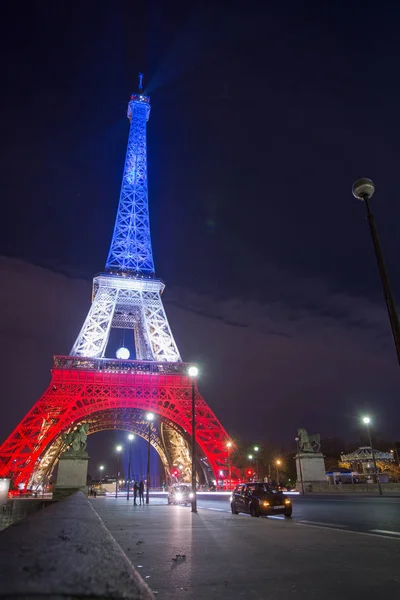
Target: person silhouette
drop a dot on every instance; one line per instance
(141, 492)
(135, 492)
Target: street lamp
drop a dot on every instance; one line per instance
(363, 189)
(101, 469)
(300, 466)
(150, 419)
(256, 449)
(130, 439)
(278, 463)
(229, 446)
(118, 449)
(367, 421)
(193, 373)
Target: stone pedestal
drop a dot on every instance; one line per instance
(310, 468)
(72, 474)
(4, 487)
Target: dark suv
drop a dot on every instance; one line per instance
(259, 499)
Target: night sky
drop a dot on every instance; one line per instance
(262, 117)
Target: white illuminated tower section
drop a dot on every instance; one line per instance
(128, 295)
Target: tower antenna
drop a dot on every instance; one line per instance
(140, 75)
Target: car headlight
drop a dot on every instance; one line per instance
(178, 496)
(288, 501)
(265, 503)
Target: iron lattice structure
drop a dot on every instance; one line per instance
(130, 250)
(84, 391)
(87, 386)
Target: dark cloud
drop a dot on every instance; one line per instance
(266, 367)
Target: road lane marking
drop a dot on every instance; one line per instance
(321, 524)
(385, 531)
(276, 517)
(211, 508)
(341, 530)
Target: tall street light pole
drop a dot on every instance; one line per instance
(256, 449)
(367, 421)
(278, 463)
(251, 458)
(193, 373)
(150, 419)
(130, 438)
(300, 466)
(229, 446)
(101, 469)
(363, 189)
(118, 449)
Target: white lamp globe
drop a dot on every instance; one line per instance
(366, 420)
(193, 371)
(123, 353)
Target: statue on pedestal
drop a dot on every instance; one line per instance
(308, 443)
(76, 440)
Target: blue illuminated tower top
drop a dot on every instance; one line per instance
(130, 250)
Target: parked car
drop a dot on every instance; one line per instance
(180, 494)
(259, 499)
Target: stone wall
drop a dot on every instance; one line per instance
(371, 488)
(65, 551)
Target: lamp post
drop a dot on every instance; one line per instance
(278, 463)
(193, 373)
(300, 467)
(130, 439)
(118, 449)
(250, 457)
(367, 421)
(101, 469)
(256, 449)
(150, 419)
(363, 189)
(229, 446)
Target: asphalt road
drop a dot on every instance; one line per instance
(330, 549)
(369, 514)
(374, 515)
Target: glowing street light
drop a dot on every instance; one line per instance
(366, 420)
(118, 450)
(256, 448)
(278, 463)
(101, 469)
(150, 418)
(229, 446)
(131, 437)
(193, 372)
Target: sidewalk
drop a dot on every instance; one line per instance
(224, 556)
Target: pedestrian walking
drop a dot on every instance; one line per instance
(141, 492)
(135, 492)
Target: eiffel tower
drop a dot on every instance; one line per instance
(108, 393)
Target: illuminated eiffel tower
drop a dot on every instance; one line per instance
(113, 393)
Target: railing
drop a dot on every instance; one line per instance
(110, 365)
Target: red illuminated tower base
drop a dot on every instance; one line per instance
(92, 390)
